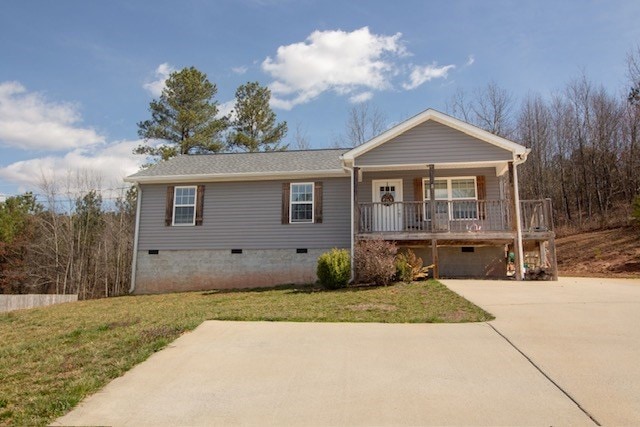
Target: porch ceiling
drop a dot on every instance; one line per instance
(479, 238)
(501, 167)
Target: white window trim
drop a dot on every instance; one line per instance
(449, 179)
(425, 183)
(175, 205)
(313, 202)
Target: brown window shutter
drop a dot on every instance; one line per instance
(168, 213)
(199, 204)
(317, 201)
(482, 187)
(418, 193)
(286, 189)
(482, 195)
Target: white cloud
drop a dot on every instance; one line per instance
(361, 97)
(31, 122)
(340, 61)
(239, 70)
(226, 108)
(106, 164)
(161, 74)
(470, 60)
(423, 74)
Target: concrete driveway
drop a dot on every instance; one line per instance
(579, 344)
(584, 334)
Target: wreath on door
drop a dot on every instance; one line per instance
(387, 199)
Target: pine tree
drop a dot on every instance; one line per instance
(185, 117)
(254, 124)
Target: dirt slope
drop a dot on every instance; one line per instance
(614, 252)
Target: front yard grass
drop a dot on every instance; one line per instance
(53, 357)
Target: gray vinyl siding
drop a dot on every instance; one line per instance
(364, 187)
(247, 215)
(432, 142)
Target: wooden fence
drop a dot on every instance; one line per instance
(19, 302)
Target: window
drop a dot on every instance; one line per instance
(301, 205)
(184, 206)
(459, 192)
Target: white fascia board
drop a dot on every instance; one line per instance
(441, 118)
(420, 166)
(501, 169)
(253, 176)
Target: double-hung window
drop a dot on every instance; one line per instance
(184, 206)
(457, 196)
(301, 204)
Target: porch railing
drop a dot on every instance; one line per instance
(536, 215)
(476, 216)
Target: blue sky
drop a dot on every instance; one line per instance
(76, 76)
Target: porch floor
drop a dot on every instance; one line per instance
(490, 236)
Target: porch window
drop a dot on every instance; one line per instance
(184, 206)
(460, 195)
(301, 206)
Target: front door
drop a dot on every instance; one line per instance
(387, 205)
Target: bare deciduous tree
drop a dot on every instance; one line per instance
(490, 108)
(584, 146)
(364, 121)
(82, 241)
(300, 138)
(633, 74)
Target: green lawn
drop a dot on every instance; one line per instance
(52, 357)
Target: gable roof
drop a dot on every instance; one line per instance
(244, 166)
(520, 152)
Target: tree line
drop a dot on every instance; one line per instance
(71, 242)
(584, 141)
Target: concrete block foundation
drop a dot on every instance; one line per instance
(466, 261)
(190, 270)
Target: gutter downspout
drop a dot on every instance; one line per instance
(352, 240)
(516, 197)
(353, 267)
(136, 235)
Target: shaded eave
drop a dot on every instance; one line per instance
(519, 152)
(501, 166)
(244, 176)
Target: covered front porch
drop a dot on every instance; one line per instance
(457, 216)
(436, 181)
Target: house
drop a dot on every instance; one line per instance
(433, 183)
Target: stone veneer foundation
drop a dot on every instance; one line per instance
(190, 270)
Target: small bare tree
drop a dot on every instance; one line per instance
(633, 74)
(364, 121)
(300, 138)
(490, 108)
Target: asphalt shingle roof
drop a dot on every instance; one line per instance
(237, 163)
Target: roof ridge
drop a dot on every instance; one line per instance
(311, 150)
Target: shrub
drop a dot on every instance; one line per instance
(334, 268)
(403, 269)
(409, 266)
(375, 261)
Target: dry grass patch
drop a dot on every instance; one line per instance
(53, 357)
(367, 307)
(603, 253)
